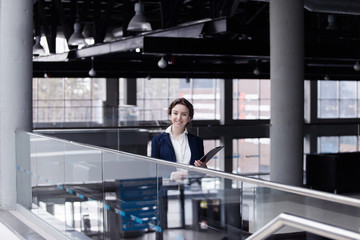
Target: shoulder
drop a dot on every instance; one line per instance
(160, 137)
(194, 137)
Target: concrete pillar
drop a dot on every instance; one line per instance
(16, 42)
(130, 91)
(287, 91)
(111, 104)
(226, 109)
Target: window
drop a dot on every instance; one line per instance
(338, 99)
(335, 144)
(251, 155)
(251, 99)
(57, 100)
(154, 96)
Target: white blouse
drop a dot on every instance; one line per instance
(181, 146)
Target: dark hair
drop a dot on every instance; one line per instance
(184, 102)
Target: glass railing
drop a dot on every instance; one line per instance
(107, 194)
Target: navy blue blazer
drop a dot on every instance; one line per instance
(162, 148)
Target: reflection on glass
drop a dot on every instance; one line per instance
(111, 194)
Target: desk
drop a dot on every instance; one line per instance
(335, 172)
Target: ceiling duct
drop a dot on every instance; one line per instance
(333, 6)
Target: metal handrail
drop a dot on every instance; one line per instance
(273, 185)
(285, 219)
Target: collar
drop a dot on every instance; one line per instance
(168, 130)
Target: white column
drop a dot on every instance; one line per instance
(15, 88)
(287, 90)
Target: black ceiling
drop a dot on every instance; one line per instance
(199, 38)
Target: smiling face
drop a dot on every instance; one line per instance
(180, 116)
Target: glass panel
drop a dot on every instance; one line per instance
(338, 99)
(156, 109)
(156, 88)
(132, 192)
(269, 203)
(98, 91)
(328, 108)
(154, 96)
(347, 144)
(83, 186)
(328, 89)
(127, 115)
(111, 194)
(77, 88)
(264, 109)
(347, 90)
(199, 203)
(176, 87)
(265, 155)
(51, 111)
(246, 152)
(328, 144)
(48, 176)
(204, 109)
(348, 108)
(204, 98)
(236, 112)
(251, 109)
(265, 89)
(249, 151)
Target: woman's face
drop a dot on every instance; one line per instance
(180, 116)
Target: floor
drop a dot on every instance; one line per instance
(12, 228)
(6, 233)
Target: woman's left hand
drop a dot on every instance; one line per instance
(199, 163)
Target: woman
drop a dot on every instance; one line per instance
(176, 144)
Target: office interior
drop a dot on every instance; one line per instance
(85, 86)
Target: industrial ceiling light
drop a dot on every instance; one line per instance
(92, 72)
(162, 63)
(357, 66)
(77, 38)
(256, 71)
(117, 32)
(139, 22)
(37, 48)
(332, 24)
(88, 30)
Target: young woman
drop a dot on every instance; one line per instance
(176, 144)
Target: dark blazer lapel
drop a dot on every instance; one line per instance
(192, 143)
(168, 142)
